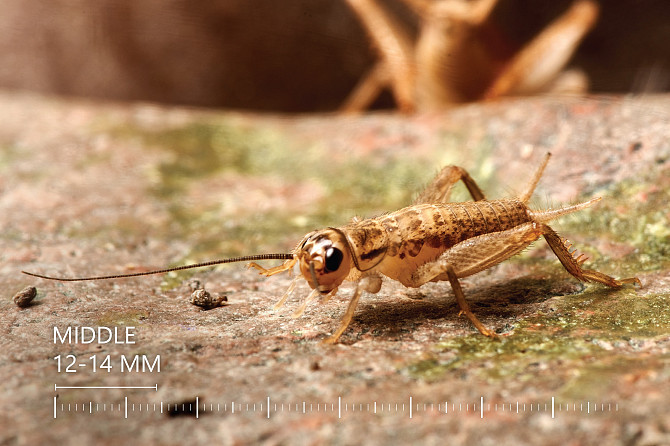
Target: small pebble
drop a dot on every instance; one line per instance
(203, 299)
(23, 298)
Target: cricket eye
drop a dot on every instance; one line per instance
(333, 259)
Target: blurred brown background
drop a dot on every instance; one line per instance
(283, 55)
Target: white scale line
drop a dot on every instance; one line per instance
(155, 387)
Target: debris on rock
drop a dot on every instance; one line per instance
(203, 299)
(23, 298)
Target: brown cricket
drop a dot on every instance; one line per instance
(429, 241)
(456, 55)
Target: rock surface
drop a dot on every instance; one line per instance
(89, 188)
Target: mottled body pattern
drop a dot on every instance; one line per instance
(396, 244)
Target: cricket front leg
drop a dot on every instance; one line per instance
(371, 284)
(286, 266)
(346, 319)
(573, 264)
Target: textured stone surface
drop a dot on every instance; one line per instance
(92, 189)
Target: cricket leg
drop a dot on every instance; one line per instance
(287, 293)
(573, 264)
(394, 46)
(465, 308)
(474, 12)
(439, 190)
(367, 89)
(286, 266)
(570, 82)
(477, 254)
(539, 63)
(301, 309)
(371, 284)
(346, 319)
(472, 256)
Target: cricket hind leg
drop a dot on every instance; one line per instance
(573, 264)
(476, 254)
(567, 258)
(472, 256)
(439, 190)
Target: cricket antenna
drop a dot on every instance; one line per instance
(167, 270)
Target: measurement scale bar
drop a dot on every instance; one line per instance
(128, 408)
(155, 387)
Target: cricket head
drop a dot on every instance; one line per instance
(325, 259)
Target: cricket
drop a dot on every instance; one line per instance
(432, 240)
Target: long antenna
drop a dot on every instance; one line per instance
(167, 270)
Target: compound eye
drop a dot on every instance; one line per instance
(333, 259)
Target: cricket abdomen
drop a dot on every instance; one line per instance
(396, 244)
(441, 226)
